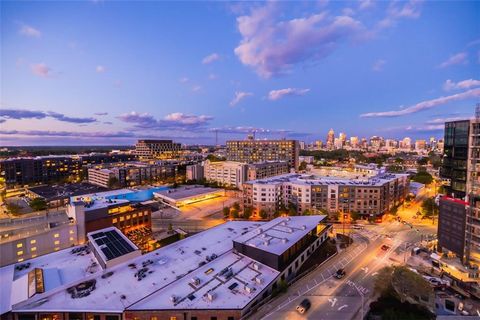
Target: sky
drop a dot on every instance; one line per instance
(112, 72)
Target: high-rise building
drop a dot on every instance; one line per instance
(461, 165)
(157, 149)
(354, 142)
(420, 145)
(253, 151)
(318, 144)
(330, 139)
(406, 144)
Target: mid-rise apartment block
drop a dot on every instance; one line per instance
(195, 172)
(252, 151)
(45, 169)
(266, 169)
(130, 173)
(157, 149)
(370, 196)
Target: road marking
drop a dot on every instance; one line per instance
(315, 280)
(332, 301)
(342, 307)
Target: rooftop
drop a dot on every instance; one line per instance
(279, 234)
(60, 268)
(60, 191)
(186, 192)
(310, 179)
(164, 272)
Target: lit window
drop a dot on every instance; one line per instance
(33, 249)
(34, 255)
(71, 238)
(173, 318)
(19, 253)
(20, 260)
(114, 220)
(56, 248)
(19, 245)
(56, 235)
(57, 242)
(33, 241)
(122, 218)
(153, 318)
(72, 232)
(128, 217)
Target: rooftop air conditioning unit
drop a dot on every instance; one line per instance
(173, 298)
(248, 289)
(210, 296)
(266, 242)
(195, 281)
(304, 227)
(259, 230)
(284, 240)
(258, 280)
(256, 266)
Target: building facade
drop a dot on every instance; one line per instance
(157, 149)
(253, 151)
(22, 171)
(266, 169)
(371, 197)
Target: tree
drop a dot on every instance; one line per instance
(214, 158)
(236, 206)
(292, 209)
(38, 204)
(422, 161)
(394, 168)
(383, 280)
(355, 215)
(247, 212)
(263, 214)
(113, 183)
(302, 166)
(429, 207)
(306, 212)
(13, 208)
(234, 213)
(226, 212)
(422, 176)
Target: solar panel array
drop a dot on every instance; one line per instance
(112, 244)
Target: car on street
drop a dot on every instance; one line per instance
(357, 227)
(304, 306)
(385, 247)
(340, 273)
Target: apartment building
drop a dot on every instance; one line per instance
(253, 151)
(157, 149)
(266, 169)
(370, 196)
(226, 173)
(130, 173)
(461, 165)
(195, 172)
(22, 171)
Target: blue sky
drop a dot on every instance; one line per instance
(100, 72)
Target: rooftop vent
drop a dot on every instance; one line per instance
(284, 223)
(284, 240)
(259, 230)
(196, 281)
(210, 296)
(258, 280)
(248, 289)
(256, 266)
(173, 298)
(304, 227)
(266, 242)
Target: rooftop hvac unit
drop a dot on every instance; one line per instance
(284, 223)
(287, 219)
(284, 240)
(256, 266)
(266, 242)
(289, 230)
(248, 289)
(173, 298)
(195, 281)
(304, 227)
(259, 230)
(264, 235)
(258, 280)
(210, 296)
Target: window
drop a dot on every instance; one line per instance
(33, 241)
(193, 318)
(213, 318)
(33, 249)
(71, 239)
(153, 318)
(19, 245)
(231, 318)
(56, 242)
(173, 318)
(72, 232)
(56, 235)
(114, 220)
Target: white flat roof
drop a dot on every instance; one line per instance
(186, 192)
(271, 236)
(172, 265)
(59, 267)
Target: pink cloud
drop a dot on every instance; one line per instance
(41, 70)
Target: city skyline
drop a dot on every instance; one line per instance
(185, 70)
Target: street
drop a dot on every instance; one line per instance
(332, 298)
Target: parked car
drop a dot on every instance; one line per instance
(385, 247)
(304, 306)
(357, 227)
(340, 273)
